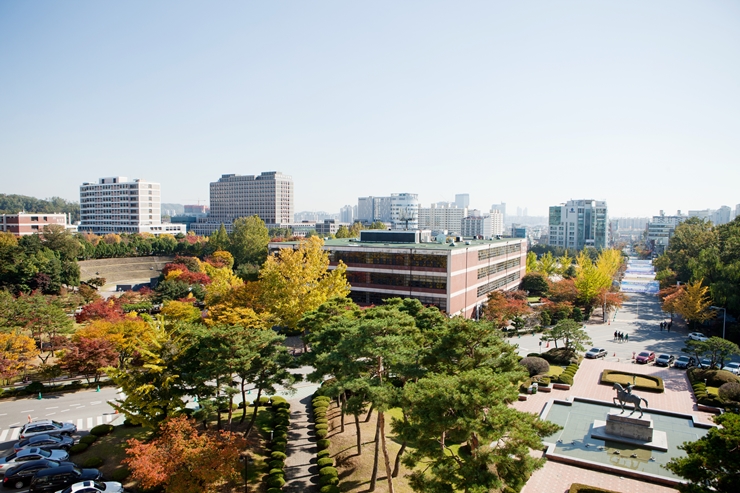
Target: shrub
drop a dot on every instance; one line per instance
(277, 471)
(321, 398)
(730, 391)
(275, 481)
(542, 380)
(276, 464)
(566, 379)
(35, 386)
(322, 433)
(88, 439)
(328, 471)
(714, 378)
(328, 480)
(278, 446)
(325, 461)
(275, 399)
(274, 490)
(321, 421)
(278, 456)
(323, 453)
(535, 365)
(280, 435)
(101, 430)
(77, 448)
(280, 428)
(321, 426)
(93, 462)
(329, 488)
(323, 443)
(263, 402)
(120, 474)
(582, 488)
(577, 314)
(321, 408)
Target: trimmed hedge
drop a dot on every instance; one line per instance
(323, 453)
(275, 455)
(325, 461)
(101, 430)
(120, 474)
(610, 377)
(567, 376)
(276, 464)
(263, 402)
(93, 462)
(77, 448)
(275, 481)
(583, 488)
(88, 439)
(714, 378)
(322, 433)
(321, 426)
(323, 444)
(329, 488)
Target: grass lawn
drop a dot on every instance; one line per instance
(555, 371)
(713, 391)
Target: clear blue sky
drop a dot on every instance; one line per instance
(530, 103)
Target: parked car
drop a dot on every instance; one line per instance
(94, 487)
(28, 454)
(50, 480)
(664, 359)
(596, 352)
(685, 362)
(47, 427)
(20, 476)
(645, 357)
(732, 367)
(705, 363)
(46, 442)
(697, 336)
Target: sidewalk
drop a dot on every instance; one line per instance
(300, 466)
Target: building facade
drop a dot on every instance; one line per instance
(578, 224)
(120, 205)
(442, 217)
(477, 225)
(347, 214)
(268, 195)
(462, 200)
(24, 224)
(660, 230)
(455, 277)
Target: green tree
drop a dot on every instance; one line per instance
(248, 241)
(219, 240)
(535, 283)
(58, 239)
(712, 463)
(715, 348)
(571, 333)
(532, 264)
(685, 246)
(343, 232)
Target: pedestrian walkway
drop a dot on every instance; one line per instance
(300, 466)
(83, 424)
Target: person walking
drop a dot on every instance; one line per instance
(615, 335)
(626, 337)
(669, 326)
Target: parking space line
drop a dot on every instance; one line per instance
(108, 418)
(4, 435)
(14, 433)
(100, 420)
(79, 424)
(89, 423)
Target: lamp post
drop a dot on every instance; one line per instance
(724, 317)
(245, 458)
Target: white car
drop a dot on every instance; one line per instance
(732, 367)
(596, 352)
(29, 454)
(697, 336)
(93, 487)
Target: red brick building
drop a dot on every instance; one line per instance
(23, 223)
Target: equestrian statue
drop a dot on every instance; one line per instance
(625, 395)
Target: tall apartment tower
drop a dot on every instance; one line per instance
(269, 196)
(120, 205)
(442, 216)
(462, 200)
(578, 224)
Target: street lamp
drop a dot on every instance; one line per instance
(724, 317)
(246, 459)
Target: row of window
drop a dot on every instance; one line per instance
(395, 259)
(493, 269)
(366, 298)
(397, 280)
(498, 283)
(499, 250)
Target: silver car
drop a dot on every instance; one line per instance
(732, 367)
(94, 487)
(48, 427)
(29, 454)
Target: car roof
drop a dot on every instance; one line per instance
(57, 470)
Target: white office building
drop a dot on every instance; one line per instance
(442, 216)
(404, 211)
(660, 230)
(120, 205)
(347, 214)
(268, 195)
(462, 200)
(578, 224)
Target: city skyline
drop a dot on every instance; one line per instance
(529, 104)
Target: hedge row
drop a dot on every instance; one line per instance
(328, 475)
(583, 488)
(275, 479)
(568, 374)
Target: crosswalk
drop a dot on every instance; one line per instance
(83, 424)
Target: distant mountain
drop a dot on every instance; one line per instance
(13, 204)
(172, 209)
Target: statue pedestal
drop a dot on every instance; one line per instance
(634, 431)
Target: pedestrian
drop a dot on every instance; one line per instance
(615, 335)
(29, 418)
(661, 326)
(626, 337)
(619, 336)
(669, 326)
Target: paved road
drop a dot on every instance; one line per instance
(640, 317)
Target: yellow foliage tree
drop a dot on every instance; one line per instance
(180, 311)
(125, 334)
(16, 351)
(564, 263)
(548, 264)
(693, 303)
(223, 280)
(242, 306)
(590, 281)
(532, 265)
(295, 281)
(609, 262)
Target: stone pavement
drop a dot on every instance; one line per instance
(300, 466)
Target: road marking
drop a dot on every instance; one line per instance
(100, 420)
(53, 407)
(51, 414)
(79, 424)
(95, 402)
(108, 419)
(89, 423)
(75, 404)
(14, 424)
(28, 411)
(4, 435)
(14, 434)
(64, 411)
(3, 414)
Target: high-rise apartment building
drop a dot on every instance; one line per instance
(578, 224)
(442, 216)
(268, 195)
(462, 200)
(120, 205)
(660, 230)
(347, 214)
(501, 208)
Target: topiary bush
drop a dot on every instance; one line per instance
(328, 471)
(101, 430)
(714, 378)
(324, 462)
(321, 421)
(730, 391)
(275, 455)
(566, 379)
(275, 481)
(329, 488)
(93, 462)
(535, 365)
(323, 453)
(262, 402)
(276, 464)
(77, 448)
(322, 433)
(321, 426)
(323, 443)
(88, 439)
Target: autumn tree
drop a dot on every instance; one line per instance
(88, 357)
(181, 311)
(591, 280)
(693, 303)
(502, 307)
(16, 352)
(241, 305)
(100, 309)
(125, 335)
(295, 281)
(182, 460)
(531, 262)
(248, 241)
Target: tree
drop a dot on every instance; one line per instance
(44, 319)
(715, 348)
(502, 307)
(182, 460)
(547, 265)
(590, 281)
(219, 239)
(712, 463)
(295, 281)
(89, 357)
(58, 239)
(181, 311)
(685, 246)
(563, 291)
(693, 303)
(531, 262)
(571, 333)
(100, 309)
(535, 283)
(343, 232)
(16, 351)
(248, 241)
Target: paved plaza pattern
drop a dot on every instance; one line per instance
(640, 317)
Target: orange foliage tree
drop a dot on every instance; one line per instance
(502, 307)
(182, 460)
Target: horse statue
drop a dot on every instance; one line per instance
(625, 395)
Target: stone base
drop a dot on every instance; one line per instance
(659, 438)
(629, 427)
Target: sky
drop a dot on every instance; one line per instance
(530, 103)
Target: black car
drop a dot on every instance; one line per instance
(46, 442)
(50, 480)
(20, 475)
